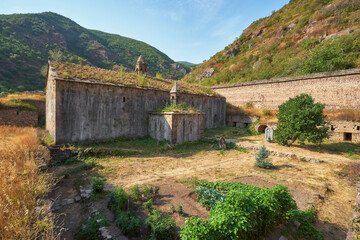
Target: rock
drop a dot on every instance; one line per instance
(231, 52)
(104, 233)
(331, 36)
(357, 201)
(348, 31)
(358, 187)
(178, 67)
(282, 238)
(222, 143)
(70, 201)
(88, 191)
(77, 198)
(206, 73)
(291, 26)
(297, 224)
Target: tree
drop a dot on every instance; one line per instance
(262, 160)
(301, 119)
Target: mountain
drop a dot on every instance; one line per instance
(304, 36)
(27, 40)
(188, 64)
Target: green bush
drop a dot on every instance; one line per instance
(209, 197)
(89, 229)
(161, 225)
(98, 184)
(262, 160)
(266, 112)
(128, 222)
(248, 212)
(148, 205)
(135, 192)
(118, 199)
(306, 218)
(301, 119)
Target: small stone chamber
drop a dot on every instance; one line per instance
(176, 127)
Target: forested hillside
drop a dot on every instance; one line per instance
(27, 40)
(304, 36)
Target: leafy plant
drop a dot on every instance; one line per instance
(172, 208)
(180, 210)
(262, 159)
(128, 222)
(118, 199)
(209, 197)
(98, 184)
(135, 192)
(301, 119)
(247, 212)
(148, 205)
(89, 228)
(161, 225)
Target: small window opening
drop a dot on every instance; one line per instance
(17, 112)
(124, 99)
(234, 124)
(246, 124)
(347, 136)
(332, 128)
(358, 128)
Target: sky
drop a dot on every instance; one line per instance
(185, 30)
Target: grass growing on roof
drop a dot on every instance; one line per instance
(182, 107)
(74, 71)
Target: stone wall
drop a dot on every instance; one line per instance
(176, 128)
(18, 117)
(338, 90)
(80, 111)
(345, 131)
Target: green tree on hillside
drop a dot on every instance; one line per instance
(301, 119)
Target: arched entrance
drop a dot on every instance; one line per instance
(261, 128)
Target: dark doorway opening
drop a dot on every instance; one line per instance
(234, 124)
(347, 136)
(246, 124)
(261, 128)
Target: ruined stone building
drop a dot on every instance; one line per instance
(89, 104)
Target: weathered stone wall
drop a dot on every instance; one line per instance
(86, 111)
(345, 131)
(238, 120)
(338, 90)
(50, 104)
(214, 108)
(18, 117)
(40, 105)
(176, 128)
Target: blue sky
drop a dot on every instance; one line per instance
(185, 30)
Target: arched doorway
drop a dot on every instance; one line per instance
(261, 128)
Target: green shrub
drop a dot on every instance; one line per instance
(180, 210)
(118, 199)
(148, 205)
(209, 197)
(266, 112)
(161, 225)
(306, 218)
(249, 105)
(98, 184)
(146, 192)
(247, 212)
(251, 128)
(135, 192)
(89, 228)
(128, 222)
(172, 208)
(262, 160)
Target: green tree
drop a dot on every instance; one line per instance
(301, 119)
(262, 158)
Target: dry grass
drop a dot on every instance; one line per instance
(16, 100)
(22, 213)
(74, 71)
(347, 114)
(266, 116)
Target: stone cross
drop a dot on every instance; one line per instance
(269, 133)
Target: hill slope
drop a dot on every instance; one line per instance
(304, 36)
(27, 40)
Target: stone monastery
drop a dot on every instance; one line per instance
(90, 104)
